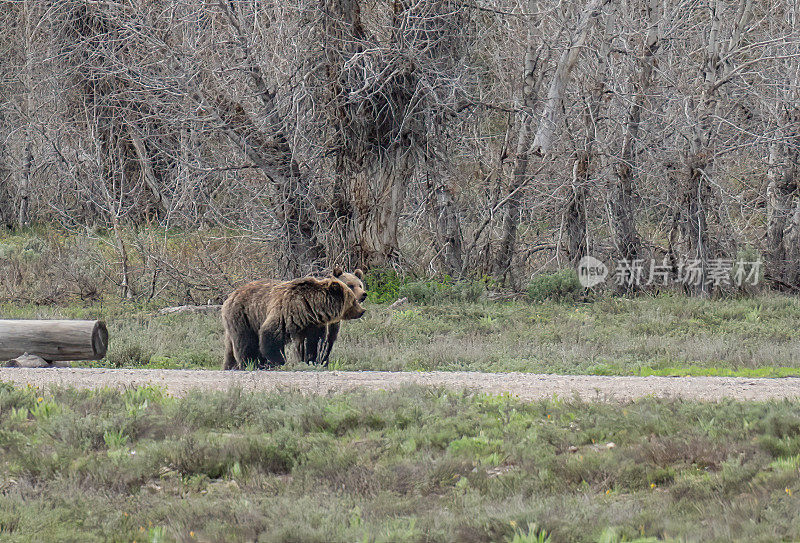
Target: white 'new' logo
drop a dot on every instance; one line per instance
(591, 271)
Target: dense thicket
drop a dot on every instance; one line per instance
(494, 137)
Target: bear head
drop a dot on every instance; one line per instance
(338, 289)
(353, 280)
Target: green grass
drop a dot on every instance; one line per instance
(412, 465)
(667, 335)
(687, 371)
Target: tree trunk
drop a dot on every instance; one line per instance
(6, 204)
(695, 201)
(690, 235)
(378, 134)
(273, 155)
(378, 195)
(302, 250)
(555, 94)
(23, 217)
(109, 158)
(447, 225)
(575, 227)
(575, 214)
(694, 186)
(783, 266)
(505, 254)
(126, 289)
(6, 220)
(623, 222)
(531, 81)
(792, 268)
(146, 169)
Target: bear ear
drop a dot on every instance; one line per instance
(358, 273)
(337, 271)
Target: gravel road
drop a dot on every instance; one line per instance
(526, 386)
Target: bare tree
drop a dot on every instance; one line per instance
(545, 127)
(623, 183)
(495, 137)
(782, 197)
(694, 175)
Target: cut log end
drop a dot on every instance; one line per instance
(100, 339)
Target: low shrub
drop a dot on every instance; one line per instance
(386, 286)
(383, 286)
(127, 355)
(561, 286)
(444, 290)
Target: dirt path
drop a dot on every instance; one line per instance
(524, 385)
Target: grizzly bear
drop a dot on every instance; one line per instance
(261, 317)
(316, 349)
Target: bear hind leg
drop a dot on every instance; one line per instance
(245, 349)
(271, 343)
(230, 362)
(241, 341)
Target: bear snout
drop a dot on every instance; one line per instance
(355, 312)
(362, 298)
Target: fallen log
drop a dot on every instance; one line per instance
(399, 303)
(190, 309)
(53, 340)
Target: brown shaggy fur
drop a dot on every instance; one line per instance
(261, 317)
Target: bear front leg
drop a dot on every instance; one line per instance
(271, 343)
(301, 349)
(333, 333)
(310, 345)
